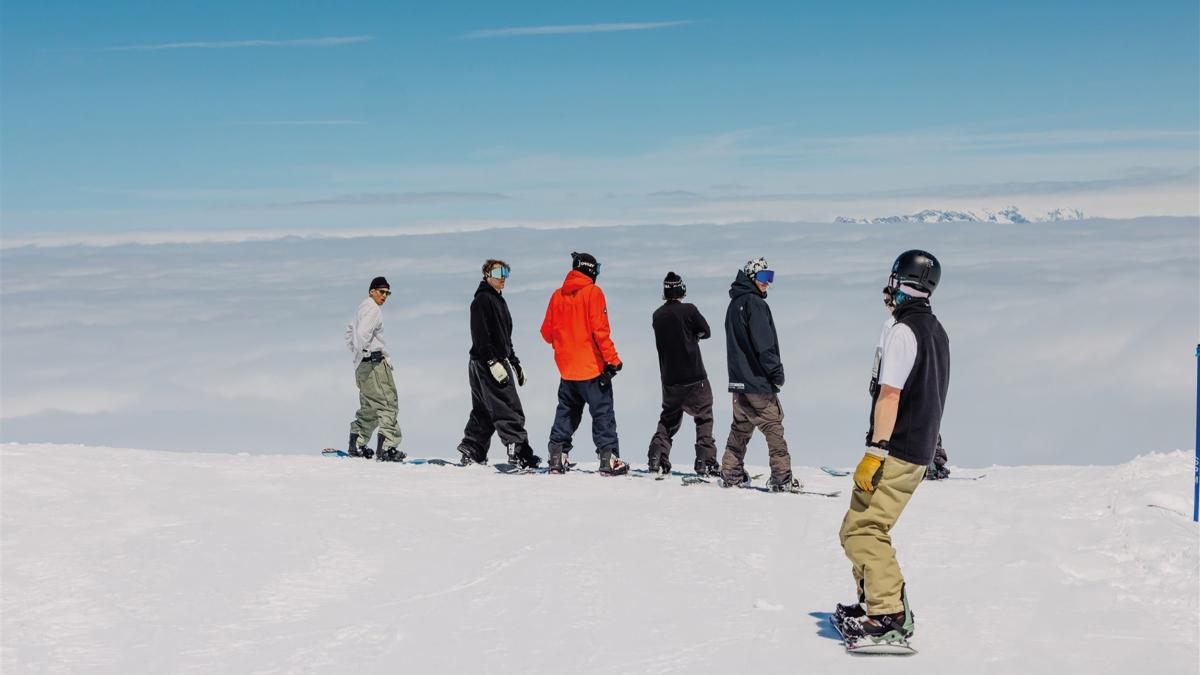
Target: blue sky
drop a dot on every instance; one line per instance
(321, 116)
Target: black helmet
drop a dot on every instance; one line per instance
(916, 268)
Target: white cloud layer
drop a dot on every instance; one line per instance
(238, 345)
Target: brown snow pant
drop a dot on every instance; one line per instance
(762, 412)
(866, 537)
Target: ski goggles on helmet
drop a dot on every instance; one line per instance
(765, 277)
(499, 272)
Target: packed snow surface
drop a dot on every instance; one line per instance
(134, 561)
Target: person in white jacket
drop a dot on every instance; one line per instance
(377, 402)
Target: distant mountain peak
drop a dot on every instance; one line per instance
(1006, 215)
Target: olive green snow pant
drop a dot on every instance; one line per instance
(866, 537)
(376, 404)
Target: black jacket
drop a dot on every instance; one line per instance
(678, 329)
(751, 344)
(491, 326)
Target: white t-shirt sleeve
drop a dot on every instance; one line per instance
(899, 355)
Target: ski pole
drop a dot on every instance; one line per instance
(1196, 488)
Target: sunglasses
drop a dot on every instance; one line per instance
(501, 272)
(765, 277)
(383, 291)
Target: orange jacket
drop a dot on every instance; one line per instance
(576, 325)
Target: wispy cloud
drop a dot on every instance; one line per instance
(237, 44)
(571, 28)
(299, 123)
(379, 198)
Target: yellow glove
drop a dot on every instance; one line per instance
(868, 467)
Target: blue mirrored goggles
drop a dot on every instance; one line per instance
(501, 272)
(765, 277)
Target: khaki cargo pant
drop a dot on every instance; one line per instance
(866, 535)
(377, 405)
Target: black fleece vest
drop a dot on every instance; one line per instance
(923, 398)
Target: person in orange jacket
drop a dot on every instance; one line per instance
(576, 325)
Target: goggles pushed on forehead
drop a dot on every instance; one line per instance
(499, 272)
(765, 277)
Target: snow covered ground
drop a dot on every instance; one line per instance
(134, 561)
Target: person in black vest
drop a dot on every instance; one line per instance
(908, 393)
(494, 371)
(678, 329)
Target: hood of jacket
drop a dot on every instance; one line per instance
(575, 282)
(484, 288)
(742, 285)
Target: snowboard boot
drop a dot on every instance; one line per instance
(526, 459)
(557, 462)
(387, 453)
(393, 455)
(791, 485)
(741, 479)
(513, 458)
(855, 610)
(354, 450)
(896, 627)
(611, 464)
(468, 457)
(658, 464)
(707, 467)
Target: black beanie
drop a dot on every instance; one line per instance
(380, 282)
(673, 287)
(586, 263)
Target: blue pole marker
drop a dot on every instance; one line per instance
(1196, 489)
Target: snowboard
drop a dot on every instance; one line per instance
(664, 476)
(434, 461)
(867, 646)
(835, 472)
(697, 480)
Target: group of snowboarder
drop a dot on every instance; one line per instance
(907, 390)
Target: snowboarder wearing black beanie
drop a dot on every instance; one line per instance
(377, 402)
(494, 371)
(678, 329)
(576, 326)
(908, 393)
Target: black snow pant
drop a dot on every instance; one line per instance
(695, 399)
(597, 394)
(495, 408)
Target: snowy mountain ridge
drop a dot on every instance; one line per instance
(1008, 215)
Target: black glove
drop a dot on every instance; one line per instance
(611, 371)
(516, 366)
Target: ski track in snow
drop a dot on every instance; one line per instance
(133, 561)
